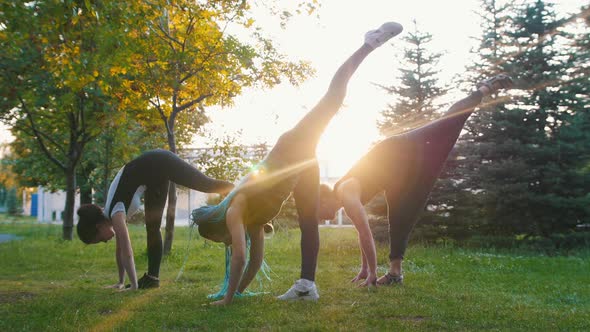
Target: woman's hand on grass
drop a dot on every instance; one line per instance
(360, 276)
(370, 281)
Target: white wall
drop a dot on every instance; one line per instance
(51, 205)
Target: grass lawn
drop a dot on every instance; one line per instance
(47, 284)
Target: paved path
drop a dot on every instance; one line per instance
(8, 237)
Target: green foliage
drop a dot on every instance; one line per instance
(86, 73)
(57, 74)
(225, 159)
(12, 203)
(446, 288)
(184, 60)
(552, 245)
(520, 168)
(3, 196)
(531, 152)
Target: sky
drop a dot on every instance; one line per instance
(262, 116)
(326, 42)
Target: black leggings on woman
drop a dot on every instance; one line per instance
(430, 146)
(154, 169)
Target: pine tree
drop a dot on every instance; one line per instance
(457, 201)
(419, 87)
(525, 157)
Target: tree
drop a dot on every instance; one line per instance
(55, 78)
(416, 95)
(458, 200)
(225, 159)
(527, 155)
(419, 87)
(12, 203)
(186, 60)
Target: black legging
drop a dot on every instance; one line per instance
(298, 146)
(431, 144)
(155, 169)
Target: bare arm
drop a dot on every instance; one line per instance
(350, 195)
(235, 226)
(124, 249)
(120, 266)
(256, 256)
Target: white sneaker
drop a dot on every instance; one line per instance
(376, 38)
(302, 290)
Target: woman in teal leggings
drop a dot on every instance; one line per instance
(290, 167)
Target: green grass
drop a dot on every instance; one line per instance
(47, 284)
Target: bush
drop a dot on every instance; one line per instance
(380, 228)
(556, 243)
(287, 218)
(138, 218)
(12, 206)
(283, 224)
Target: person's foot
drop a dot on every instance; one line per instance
(303, 289)
(495, 83)
(390, 279)
(148, 281)
(385, 32)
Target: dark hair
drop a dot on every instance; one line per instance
(214, 231)
(268, 228)
(90, 215)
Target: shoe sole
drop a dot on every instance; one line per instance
(301, 298)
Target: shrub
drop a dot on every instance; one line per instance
(138, 218)
(12, 206)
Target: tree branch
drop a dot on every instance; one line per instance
(38, 137)
(192, 103)
(162, 115)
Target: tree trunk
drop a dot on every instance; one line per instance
(170, 217)
(68, 218)
(171, 211)
(107, 169)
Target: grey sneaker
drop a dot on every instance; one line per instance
(385, 32)
(300, 291)
(390, 279)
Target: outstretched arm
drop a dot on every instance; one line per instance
(235, 225)
(125, 260)
(256, 233)
(349, 193)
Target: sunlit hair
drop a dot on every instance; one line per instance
(90, 215)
